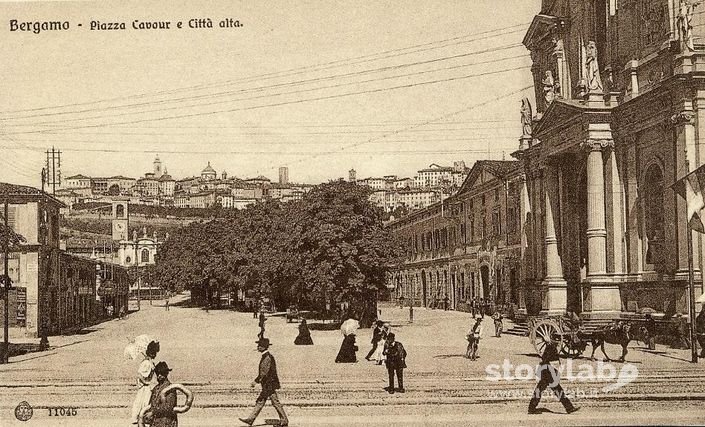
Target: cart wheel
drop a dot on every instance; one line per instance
(570, 349)
(543, 332)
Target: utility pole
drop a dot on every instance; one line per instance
(6, 286)
(53, 176)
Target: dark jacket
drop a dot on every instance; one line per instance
(376, 335)
(550, 354)
(268, 373)
(396, 355)
(163, 414)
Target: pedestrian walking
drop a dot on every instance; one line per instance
(145, 383)
(376, 337)
(549, 377)
(498, 326)
(445, 303)
(473, 336)
(346, 354)
(166, 304)
(162, 410)
(700, 330)
(379, 354)
(681, 339)
(482, 307)
(396, 362)
(269, 380)
(262, 319)
(650, 326)
(304, 337)
(473, 307)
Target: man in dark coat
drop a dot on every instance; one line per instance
(396, 362)
(262, 319)
(162, 411)
(376, 338)
(549, 377)
(269, 380)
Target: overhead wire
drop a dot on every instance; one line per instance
(211, 96)
(282, 103)
(284, 73)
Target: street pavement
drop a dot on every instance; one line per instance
(214, 353)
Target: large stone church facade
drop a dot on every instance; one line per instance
(619, 117)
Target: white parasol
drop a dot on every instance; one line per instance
(137, 349)
(350, 326)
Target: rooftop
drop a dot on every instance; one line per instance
(7, 189)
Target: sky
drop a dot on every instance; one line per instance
(384, 87)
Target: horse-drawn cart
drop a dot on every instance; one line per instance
(541, 330)
(573, 337)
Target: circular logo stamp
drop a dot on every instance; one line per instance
(24, 411)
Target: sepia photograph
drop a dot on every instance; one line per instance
(352, 213)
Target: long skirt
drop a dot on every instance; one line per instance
(141, 400)
(379, 354)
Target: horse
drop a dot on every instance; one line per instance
(613, 334)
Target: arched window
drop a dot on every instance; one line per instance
(145, 256)
(653, 215)
(119, 211)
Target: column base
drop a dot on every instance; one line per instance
(602, 298)
(555, 297)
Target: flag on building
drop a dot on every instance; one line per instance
(691, 188)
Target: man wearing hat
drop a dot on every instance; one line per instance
(549, 377)
(269, 380)
(162, 410)
(473, 337)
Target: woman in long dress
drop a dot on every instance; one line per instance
(347, 350)
(304, 337)
(380, 357)
(145, 380)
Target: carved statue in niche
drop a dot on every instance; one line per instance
(526, 116)
(684, 23)
(592, 69)
(557, 47)
(549, 87)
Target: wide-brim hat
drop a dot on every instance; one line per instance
(264, 342)
(162, 368)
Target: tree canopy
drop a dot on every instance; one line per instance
(328, 248)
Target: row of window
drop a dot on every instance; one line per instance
(439, 239)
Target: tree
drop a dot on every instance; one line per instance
(114, 190)
(328, 248)
(11, 239)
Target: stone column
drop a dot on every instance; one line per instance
(635, 264)
(615, 215)
(685, 161)
(596, 232)
(603, 297)
(556, 286)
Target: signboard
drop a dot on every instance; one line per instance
(21, 298)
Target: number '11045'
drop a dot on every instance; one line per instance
(62, 412)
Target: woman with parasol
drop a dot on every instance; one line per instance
(348, 347)
(146, 348)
